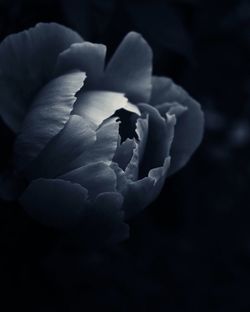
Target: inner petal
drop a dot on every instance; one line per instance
(96, 106)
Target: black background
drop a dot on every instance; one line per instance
(190, 250)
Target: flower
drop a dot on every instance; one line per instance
(90, 156)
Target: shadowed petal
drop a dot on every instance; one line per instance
(48, 115)
(159, 132)
(96, 106)
(27, 61)
(96, 178)
(87, 57)
(189, 126)
(139, 194)
(103, 222)
(129, 70)
(132, 170)
(124, 153)
(56, 203)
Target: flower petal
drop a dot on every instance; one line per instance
(107, 137)
(172, 108)
(55, 159)
(124, 153)
(132, 169)
(129, 70)
(87, 57)
(96, 106)
(96, 178)
(56, 203)
(159, 138)
(139, 194)
(189, 126)
(27, 61)
(48, 115)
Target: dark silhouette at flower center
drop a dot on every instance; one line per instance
(128, 124)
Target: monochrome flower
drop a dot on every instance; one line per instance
(94, 143)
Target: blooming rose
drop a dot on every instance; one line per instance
(94, 143)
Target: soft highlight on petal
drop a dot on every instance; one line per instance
(96, 106)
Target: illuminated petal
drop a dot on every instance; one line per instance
(107, 136)
(96, 106)
(74, 139)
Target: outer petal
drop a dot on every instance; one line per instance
(97, 178)
(189, 127)
(27, 60)
(129, 71)
(48, 115)
(96, 106)
(56, 203)
(87, 57)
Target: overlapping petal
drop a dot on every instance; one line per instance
(138, 193)
(49, 113)
(156, 148)
(130, 68)
(27, 61)
(59, 154)
(189, 126)
(87, 57)
(97, 178)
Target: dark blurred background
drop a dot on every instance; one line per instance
(190, 250)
